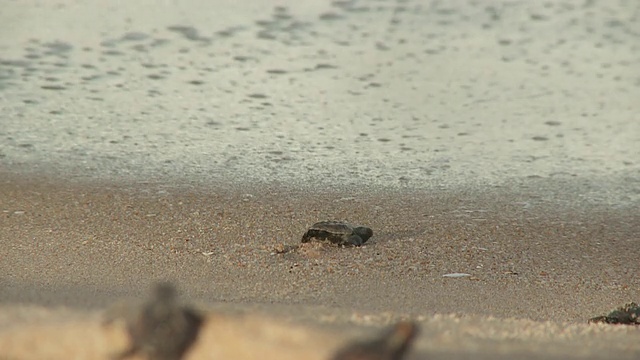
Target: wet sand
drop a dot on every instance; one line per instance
(538, 269)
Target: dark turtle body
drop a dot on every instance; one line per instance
(162, 329)
(338, 233)
(392, 344)
(629, 314)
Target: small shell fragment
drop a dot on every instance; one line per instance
(456, 275)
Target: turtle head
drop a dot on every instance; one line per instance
(364, 232)
(164, 292)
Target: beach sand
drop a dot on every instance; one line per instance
(195, 141)
(537, 272)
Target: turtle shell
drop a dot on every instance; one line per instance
(338, 233)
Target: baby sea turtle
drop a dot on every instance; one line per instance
(392, 344)
(338, 233)
(162, 329)
(629, 314)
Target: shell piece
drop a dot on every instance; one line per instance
(339, 233)
(162, 329)
(629, 314)
(392, 344)
(456, 275)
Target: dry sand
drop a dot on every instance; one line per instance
(538, 272)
